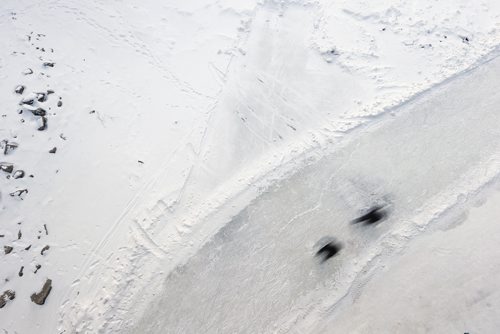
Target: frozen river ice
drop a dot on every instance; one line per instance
(258, 274)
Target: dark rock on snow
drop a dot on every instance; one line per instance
(44, 249)
(44, 124)
(40, 297)
(19, 89)
(41, 97)
(6, 295)
(7, 249)
(39, 112)
(6, 167)
(18, 174)
(19, 192)
(8, 146)
(28, 101)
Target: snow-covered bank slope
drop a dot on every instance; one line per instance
(170, 109)
(258, 273)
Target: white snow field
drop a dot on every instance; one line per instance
(182, 159)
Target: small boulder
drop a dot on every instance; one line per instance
(44, 124)
(39, 112)
(29, 100)
(40, 297)
(8, 146)
(41, 97)
(19, 89)
(6, 167)
(19, 193)
(7, 249)
(6, 295)
(44, 249)
(18, 174)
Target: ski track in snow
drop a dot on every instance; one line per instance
(257, 92)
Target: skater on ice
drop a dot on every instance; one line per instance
(329, 249)
(375, 214)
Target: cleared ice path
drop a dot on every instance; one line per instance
(259, 275)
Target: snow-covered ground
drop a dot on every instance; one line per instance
(204, 147)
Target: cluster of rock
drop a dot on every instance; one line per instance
(36, 104)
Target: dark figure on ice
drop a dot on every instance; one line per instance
(374, 215)
(328, 250)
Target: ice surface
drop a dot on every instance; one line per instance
(445, 282)
(258, 271)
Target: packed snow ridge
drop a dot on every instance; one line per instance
(175, 167)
